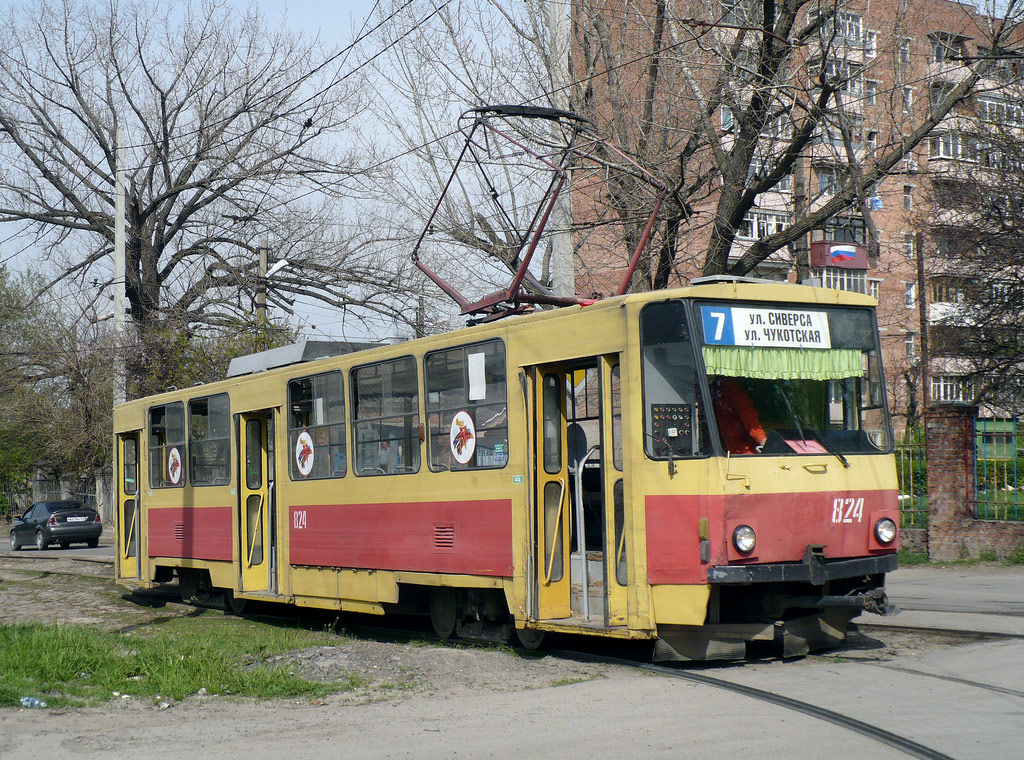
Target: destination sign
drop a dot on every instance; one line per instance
(770, 328)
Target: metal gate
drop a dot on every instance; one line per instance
(997, 462)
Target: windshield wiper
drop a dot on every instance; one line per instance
(829, 446)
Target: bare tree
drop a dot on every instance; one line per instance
(974, 260)
(232, 139)
(730, 101)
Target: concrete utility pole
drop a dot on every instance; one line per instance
(563, 278)
(120, 373)
(261, 285)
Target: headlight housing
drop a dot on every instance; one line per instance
(885, 530)
(744, 539)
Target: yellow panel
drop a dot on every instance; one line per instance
(311, 581)
(680, 605)
(366, 585)
(453, 581)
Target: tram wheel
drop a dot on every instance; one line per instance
(531, 638)
(234, 604)
(443, 611)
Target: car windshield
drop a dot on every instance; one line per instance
(794, 379)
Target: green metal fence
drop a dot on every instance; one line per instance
(998, 460)
(912, 472)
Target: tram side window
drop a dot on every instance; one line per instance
(316, 427)
(209, 440)
(674, 422)
(385, 415)
(467, 414)
(167, 446)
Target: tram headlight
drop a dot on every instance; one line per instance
(744, 539)
(885, 530)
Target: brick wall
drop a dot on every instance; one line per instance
(952, 532)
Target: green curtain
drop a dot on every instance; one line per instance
(783, 363)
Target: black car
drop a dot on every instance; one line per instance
(56, 522)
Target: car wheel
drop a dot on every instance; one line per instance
(64, 545)
(41, 543)
(93, 543)
(14, 542)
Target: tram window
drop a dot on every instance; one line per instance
(385, 415)
(467, 414)
(316, 427)
(130, 485)
(167, 446)
(209, 440)
(674, 424)
(553, 393)
(616, 394)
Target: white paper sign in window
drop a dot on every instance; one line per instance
(477, 377)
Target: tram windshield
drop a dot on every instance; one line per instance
(782, 379)
(794, 379)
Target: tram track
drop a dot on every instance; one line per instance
(871, 731)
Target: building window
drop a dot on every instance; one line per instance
(848, 26)
(872, 140)
(759, 224)
(836, 278)
(953, 145)
(167, 446)
(385, 415)
(909, 250)
(946, 47)
(908, 197)
(467, 414)
(316, 427)
(951, 388)
(904, 50)
(828, 182)
(759, 169)
(1000, 111)
(727, 120)
(910, 345)
(870, 43)
(947, 290)
(870, 92)
(908, 100)
(209, 441)
(873, 286)
(910, 294)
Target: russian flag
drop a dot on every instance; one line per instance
(843, 253)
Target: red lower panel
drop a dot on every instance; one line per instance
(786, 523)
(193, 533)
(471, 537)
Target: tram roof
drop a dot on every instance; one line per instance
(715, 288)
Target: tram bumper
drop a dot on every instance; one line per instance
(820, 619)
(813, 569)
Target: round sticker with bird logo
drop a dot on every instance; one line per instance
(462, 437)
(304, 453)
(174, 466)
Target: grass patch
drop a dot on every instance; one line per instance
(1016, 556)
(74, 665)
(906, 557)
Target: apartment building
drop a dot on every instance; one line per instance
(892, 64)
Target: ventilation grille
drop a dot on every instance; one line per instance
(444, 536)
(179, 531)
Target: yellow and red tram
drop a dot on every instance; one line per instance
(574, 470)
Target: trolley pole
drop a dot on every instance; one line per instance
(120, 371)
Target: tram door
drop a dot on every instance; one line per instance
(129, 514)
(579, 557)
(254, 518)
(551, 494)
